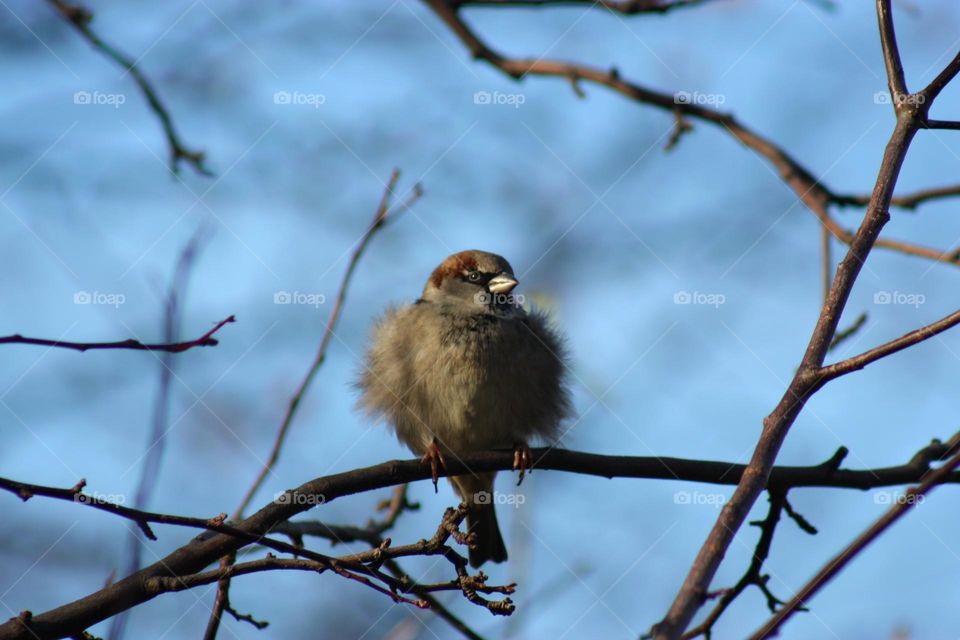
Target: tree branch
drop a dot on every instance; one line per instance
(372, 534)
(941, 124)
(932, 90)
(206, 340)
(810, 190)
(80, 18)
(806, 381)
(910, 201)
(381, 216)
(907, 340)
(156, 443)
(228, 538)
(626, 7)
(354, 567)
(752, 576)
(914, 496)
(812, 193)
(891, 54)
(845, 334)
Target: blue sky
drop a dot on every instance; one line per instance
(603, 227)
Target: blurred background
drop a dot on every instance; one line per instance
(303, 109)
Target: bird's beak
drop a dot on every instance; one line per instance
(503, 283)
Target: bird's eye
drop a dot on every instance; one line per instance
(473, 276)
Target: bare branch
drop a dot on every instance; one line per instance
(948, 257)
(913, 496)
(380, 218)
(810, 190)
(941, 124)
(751, 576)
(352, 566)
(396, 472)
(910, 201)
(80, 18)
(228, 538)
(681, 126)
(156, 443)
(818, 198)
(626, 7)
(246, 617)
(355, 567)
(891, 54)
(377, 568)
(939, 83)
(907, 340)
(845, 334)
(206, 340)
(806, 381)
(372, 534)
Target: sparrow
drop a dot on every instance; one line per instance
(466, 368)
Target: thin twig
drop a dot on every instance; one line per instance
(891, 54)
(372, 534)
(952, 125)
(207, 548)
(206, 340)
(397, 472)
(626, 7)
(843, 335)
(916, 336)
(381, 216)
(909, 201)
(807, 379)
(826, 260)
(156, 443)
(814, 194)
(932, 90)
(913, 496)
(80, 18)
(435, 605)
(753, 575)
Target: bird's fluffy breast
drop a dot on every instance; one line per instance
(474, 382)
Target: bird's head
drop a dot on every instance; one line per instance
(473, 282)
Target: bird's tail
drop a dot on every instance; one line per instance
(477, 492)
(482, 521)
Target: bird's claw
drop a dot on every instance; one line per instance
(521, 460)
(434, 456)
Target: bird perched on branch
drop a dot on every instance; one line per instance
(465, 368)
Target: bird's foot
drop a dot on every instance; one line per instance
(521, 460)
(435, 458)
